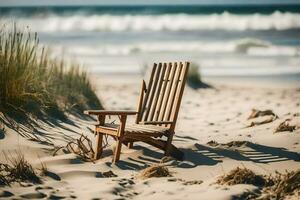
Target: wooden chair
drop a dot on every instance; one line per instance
(156, 114)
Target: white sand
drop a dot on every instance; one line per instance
(218, 114)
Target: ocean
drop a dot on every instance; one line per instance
(224, 40)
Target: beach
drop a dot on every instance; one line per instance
(216, 114)
(244, 116)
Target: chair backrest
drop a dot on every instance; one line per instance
(160, 99)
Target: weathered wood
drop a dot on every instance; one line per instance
(170, 100)
(162, 93)
(156, 114)
(157, 92)
(179, 95)
(141, 98)
(152, 92)
(119, 139)
(149, 88)
(110, 112)
(99, 139)
(157, 122)
(167, 93)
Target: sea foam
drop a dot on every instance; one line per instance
(164, 22)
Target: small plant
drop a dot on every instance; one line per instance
(241, 176)
(194, 77)
(20, 169)
(157, 170)
(17, 170)
(284, 184)
(285, 126)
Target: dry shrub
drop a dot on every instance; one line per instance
(284, 184)
(285, 126)
(241, 176)
(17, 170)
(259, 113)
(156, 170)
(272, 187)
(81, 146)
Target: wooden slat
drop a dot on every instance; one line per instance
(167, 93)
(150, 130)
(157, 92)
(173, 92)
(148, 88)
(179, 95)
(119, 139)
(152, 92)
(141, 99)
(157, 122)
(163, 89)
(110, 112)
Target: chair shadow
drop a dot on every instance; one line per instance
(255, 152)
(205, 155)
(267, 154)
(2, 134)
(193, 158)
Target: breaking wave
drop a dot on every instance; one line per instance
(164, 22)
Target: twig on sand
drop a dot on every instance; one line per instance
(285, 126)
(82, 147)
(266, 121)
(259, 113)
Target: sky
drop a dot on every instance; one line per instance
(136, 2)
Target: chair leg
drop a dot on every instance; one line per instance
(98, 150)
(130, 145)
(117, 152)
(168, 145)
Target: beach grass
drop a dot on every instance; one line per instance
(34, 82)
(18, 169)
(194, 77)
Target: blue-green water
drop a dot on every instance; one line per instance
(224, 40)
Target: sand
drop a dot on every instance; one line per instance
(215, 114)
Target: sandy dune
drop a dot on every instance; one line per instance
(215, 114)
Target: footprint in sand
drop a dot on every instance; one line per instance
(5, 193)
(34, 195)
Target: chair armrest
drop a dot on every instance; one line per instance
(110, 112)
(156, 122)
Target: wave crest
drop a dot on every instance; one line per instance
(168, 22)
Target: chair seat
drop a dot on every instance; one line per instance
(136, 129)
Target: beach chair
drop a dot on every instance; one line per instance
(156, 114)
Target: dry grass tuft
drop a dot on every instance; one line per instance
(194, 77)
(156, 170)
(33, 82)
(284, 184)
(272, 187)
(17, 170)
(285, 126)
(109, 174)
(241, 176)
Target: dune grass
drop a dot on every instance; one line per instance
(17, 169)
(34, 82)
(194, 77)
(155, 170)
(272, 187)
